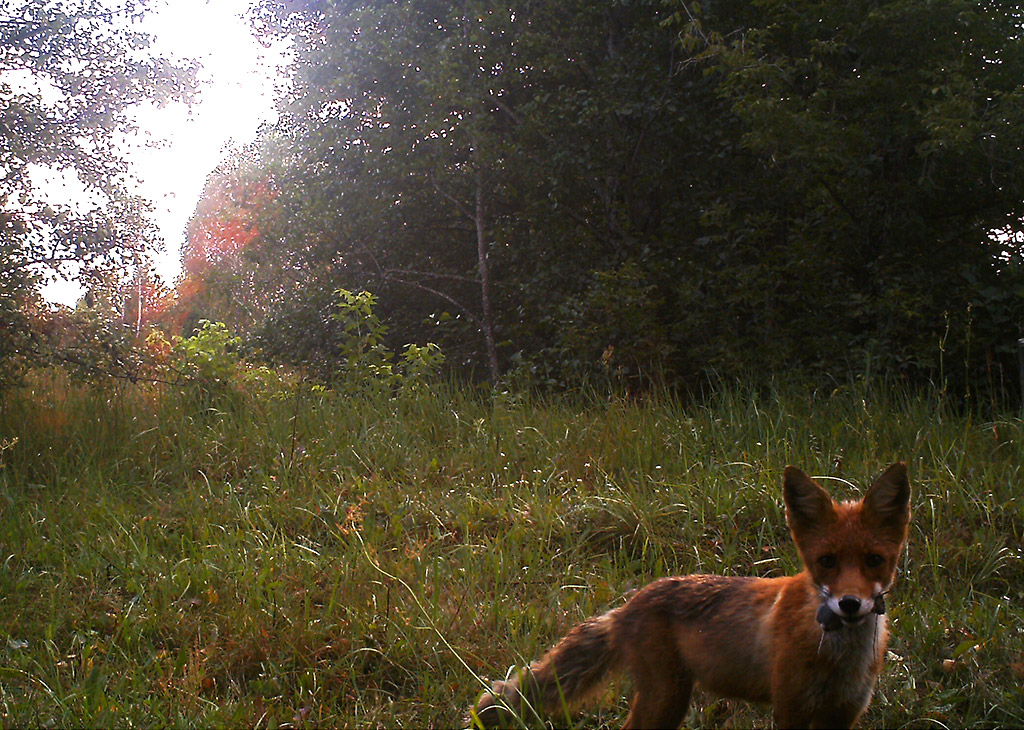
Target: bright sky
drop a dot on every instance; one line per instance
(237, 78)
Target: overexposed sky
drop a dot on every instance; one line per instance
(237, 92)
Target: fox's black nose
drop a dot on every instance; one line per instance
(849, 605)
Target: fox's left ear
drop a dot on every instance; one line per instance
(888, 499)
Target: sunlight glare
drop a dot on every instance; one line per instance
(176, 147)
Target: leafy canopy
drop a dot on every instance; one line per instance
(653, 189)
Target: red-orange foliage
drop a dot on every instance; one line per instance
(225, 223)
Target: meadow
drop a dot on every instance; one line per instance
(303, 558)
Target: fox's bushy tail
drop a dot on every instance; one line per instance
(578, 667)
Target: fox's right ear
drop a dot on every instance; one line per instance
(807, 504)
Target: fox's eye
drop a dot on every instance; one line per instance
(873, 560)
(827, 561)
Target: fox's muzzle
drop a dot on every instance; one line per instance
(849, 611)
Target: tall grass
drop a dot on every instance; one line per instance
(306, 559)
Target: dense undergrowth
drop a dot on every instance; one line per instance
(303, 558)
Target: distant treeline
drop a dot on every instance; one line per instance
(649, 192)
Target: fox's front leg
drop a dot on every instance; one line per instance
(790, 706)
(790, 714)
(792, 710)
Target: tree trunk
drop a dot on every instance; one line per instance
(487, 322)
(138, 314)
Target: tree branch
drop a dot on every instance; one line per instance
(436, 292)
(434, 275)
(388, 275)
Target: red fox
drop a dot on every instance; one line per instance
(811, 644)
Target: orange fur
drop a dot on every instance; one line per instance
(811, 644)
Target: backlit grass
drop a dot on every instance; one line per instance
(307, 559)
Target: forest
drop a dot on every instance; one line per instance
(514, 308)
(634, 194)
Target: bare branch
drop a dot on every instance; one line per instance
(453, 200)
(451, 300)
(433, 275)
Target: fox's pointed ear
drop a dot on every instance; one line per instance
(807, 504)
(888, 499)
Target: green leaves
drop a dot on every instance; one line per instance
(365, 362)
(702, 189)
(209, 357)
